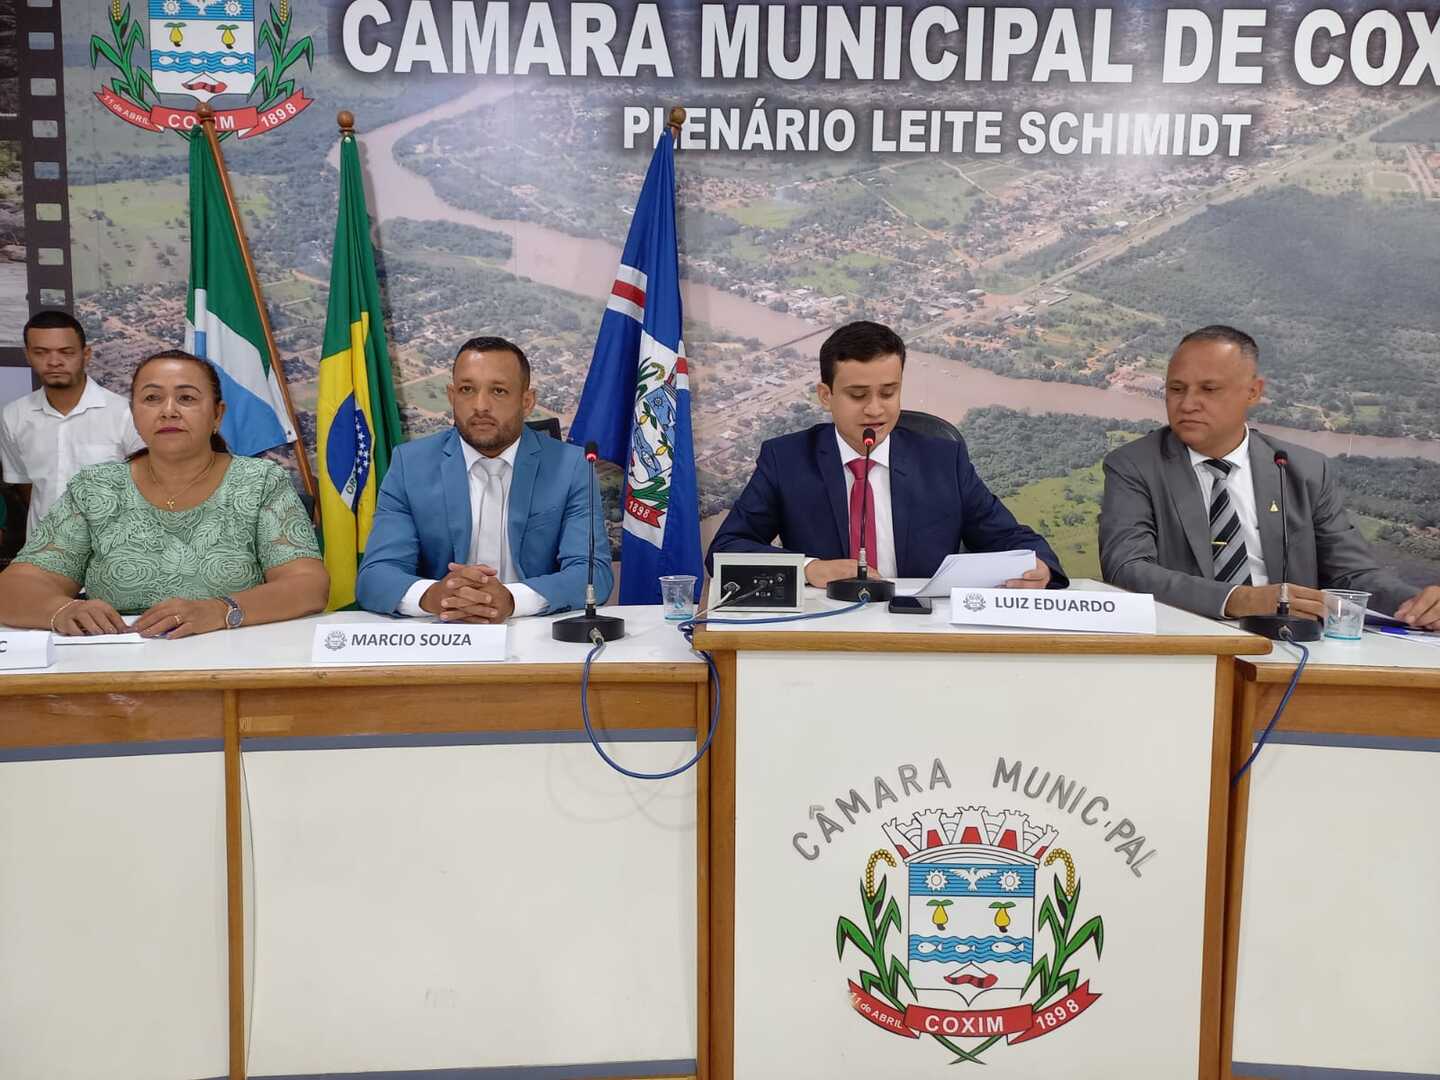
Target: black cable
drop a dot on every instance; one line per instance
(595, 742)
(1279, 709)
(688, 629)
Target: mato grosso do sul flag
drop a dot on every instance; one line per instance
(358, 420)
(222, 316)
(636, 402)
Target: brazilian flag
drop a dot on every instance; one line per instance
(359, 422)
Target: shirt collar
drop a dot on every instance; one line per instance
(472, 455)
(92, 397)
(1239, 457)
(879, 455)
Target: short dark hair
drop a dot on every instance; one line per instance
(1227, 335)
(496, 344)
(53, 319)
(217, 442)
(858, 341)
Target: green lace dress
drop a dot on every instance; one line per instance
(105, 535)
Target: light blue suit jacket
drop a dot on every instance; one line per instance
(422, 521)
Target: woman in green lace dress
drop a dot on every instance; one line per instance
(185, 535)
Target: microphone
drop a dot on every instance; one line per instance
(1282, 626)
(589, 627)
(868, 438)
(862, 586)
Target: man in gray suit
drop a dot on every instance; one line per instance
(1191, 512)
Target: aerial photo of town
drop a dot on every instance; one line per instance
(1040, 296)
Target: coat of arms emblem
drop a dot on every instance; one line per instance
(990, 923)
(203, 49)
(652, 446)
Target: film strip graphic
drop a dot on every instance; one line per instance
(39, 130)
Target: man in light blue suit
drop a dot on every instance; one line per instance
(486, 520)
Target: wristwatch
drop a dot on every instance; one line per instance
(234, 616)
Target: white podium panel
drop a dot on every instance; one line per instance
(1337, 941)
(470, 906)
(1038, 826)
(112, 918)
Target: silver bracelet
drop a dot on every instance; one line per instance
(58, 612)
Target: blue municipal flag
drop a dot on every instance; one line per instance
(636, 402)
(222, 316)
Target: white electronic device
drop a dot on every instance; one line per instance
(758, 581)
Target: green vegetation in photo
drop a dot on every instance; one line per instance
(1340, 292)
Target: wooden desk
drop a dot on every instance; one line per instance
(979, 778)
(446, 876)
(1330, 938)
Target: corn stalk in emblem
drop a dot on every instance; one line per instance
(270, 81)
(126, 36)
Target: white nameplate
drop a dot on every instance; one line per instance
(408, 643)
(1060, 609)
(26, 649)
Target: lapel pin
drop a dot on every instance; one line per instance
(1273, 508)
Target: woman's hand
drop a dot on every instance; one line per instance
(87, 617)
(181, 618)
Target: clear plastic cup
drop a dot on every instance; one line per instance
(1345, 613)
(677, 596)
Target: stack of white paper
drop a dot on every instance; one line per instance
(976, 570)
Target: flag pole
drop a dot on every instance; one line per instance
(206, 114)
(677, 121)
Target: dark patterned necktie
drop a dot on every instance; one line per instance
(1227, 543)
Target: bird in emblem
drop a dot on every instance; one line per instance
(974, 877)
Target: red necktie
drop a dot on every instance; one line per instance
(860, 491)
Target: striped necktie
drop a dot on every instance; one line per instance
(1227, 543)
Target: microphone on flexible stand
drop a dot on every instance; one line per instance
(589, 627)
(1282, 626)
(862, 586)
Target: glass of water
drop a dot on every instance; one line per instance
(677, 596)
(1345, 613)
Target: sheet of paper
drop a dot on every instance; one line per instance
(976, 570)
(103, 639)
(1379, 618)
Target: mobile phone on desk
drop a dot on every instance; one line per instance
(910, 605)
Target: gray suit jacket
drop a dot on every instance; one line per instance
(1155, 531)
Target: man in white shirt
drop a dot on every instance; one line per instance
(72, 421)
(1191, 512)
(488, 519)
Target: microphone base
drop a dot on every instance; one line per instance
(580, 629)
(1283, 627)
(853, 590)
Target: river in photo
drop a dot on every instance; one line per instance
(935, 384)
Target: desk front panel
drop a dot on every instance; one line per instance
(436, 875)
(1335, 831)
(845, 763)
(112, 917)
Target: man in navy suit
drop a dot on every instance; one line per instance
(926, 500)
(486, 520)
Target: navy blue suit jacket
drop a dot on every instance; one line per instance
(938, 503)
(422, 521)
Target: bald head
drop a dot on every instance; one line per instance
(1227, 335)
(1211, 384)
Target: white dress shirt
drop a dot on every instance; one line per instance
(1240, 482)
(43, 447)
(882, 561)
(527, 600)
